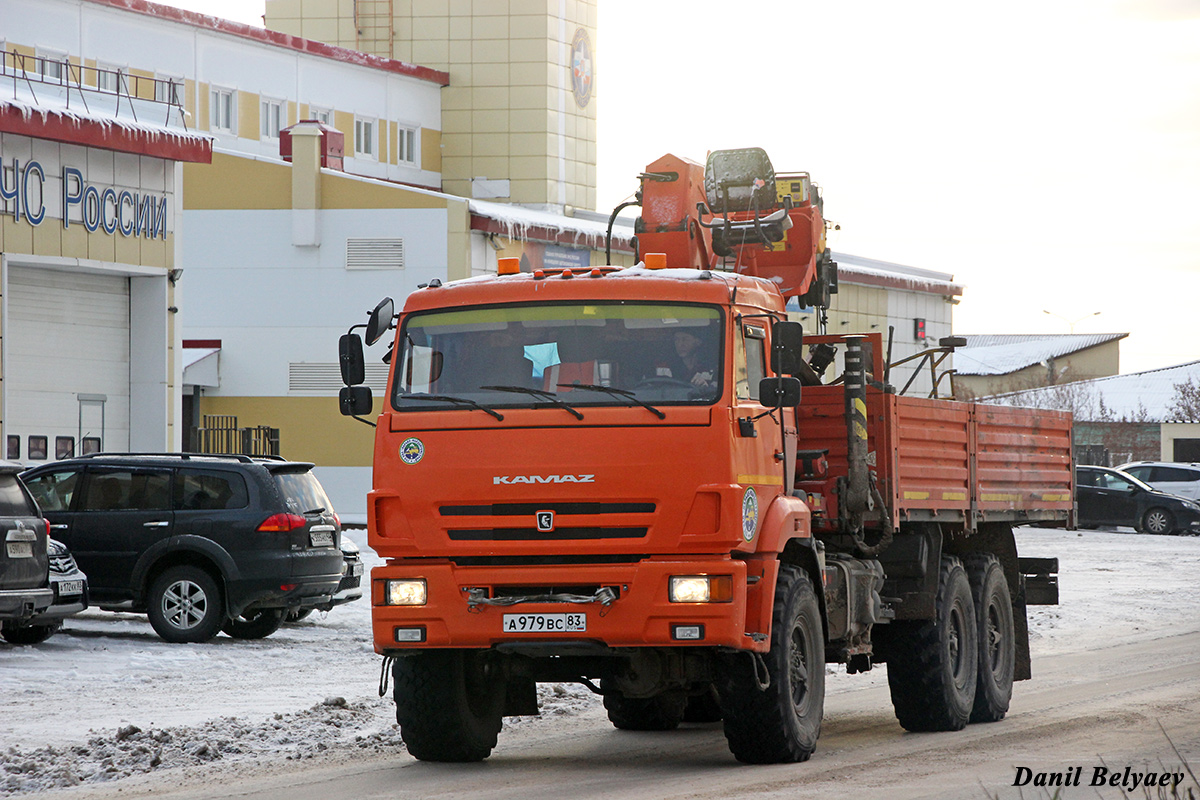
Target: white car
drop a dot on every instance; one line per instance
(1182, 480)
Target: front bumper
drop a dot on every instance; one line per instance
(641, 616)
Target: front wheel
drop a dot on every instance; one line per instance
(185, 605)
(255, 624)
(931, 664)
(27, 634)
(1158, 521)
(449, 704)
(773, 707)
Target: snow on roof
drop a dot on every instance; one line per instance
(516, 222)
(859, 269)
(1138, 396)
(1004, 354)
(102, 120)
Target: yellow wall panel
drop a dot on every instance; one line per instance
(248, 127)
(310, 428)
(431, 150)
(261, 184)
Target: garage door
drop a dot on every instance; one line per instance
(66, 362)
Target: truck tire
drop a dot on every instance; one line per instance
(449, 704)
(662, 712)
(781, 722)
(257, 624)
(184, 605)
(997, 637)
(932, 664)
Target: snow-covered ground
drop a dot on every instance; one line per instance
(106, 698)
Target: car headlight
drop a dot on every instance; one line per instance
(700, 589)
(1190, 506)
(347, 545)
(410, 592)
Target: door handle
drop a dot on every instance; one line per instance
(161, 524)
(62, 526)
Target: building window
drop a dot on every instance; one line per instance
(168, 89)
(91, 444)
(64, 447)
(223, 110)
(364, 138)
(52, 66)
(406, 148)
(271, 118)
(108, 78)
(37, 448)
(321, 115)
(14, 448)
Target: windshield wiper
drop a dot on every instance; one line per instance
(550, 396)
(449, 398)
(595, 387)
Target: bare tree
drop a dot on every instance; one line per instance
(1185, 405)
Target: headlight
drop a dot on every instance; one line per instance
(404, 593)
(347, 545)
(1191, 506)
(700, 589)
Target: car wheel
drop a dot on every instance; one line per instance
(1158, 521)
(185, 605)
(27, 634)
(257, 624)
(297, 614)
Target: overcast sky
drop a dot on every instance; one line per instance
(1045, 152)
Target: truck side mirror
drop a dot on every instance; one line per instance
(779, 392)
(350, 358)
(354, 401)
(380, 321)
(787, 347)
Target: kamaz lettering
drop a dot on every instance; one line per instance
(507, 480)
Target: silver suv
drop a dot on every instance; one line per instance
(1181, 480)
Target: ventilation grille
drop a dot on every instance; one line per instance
(374, 254)
(327, 378)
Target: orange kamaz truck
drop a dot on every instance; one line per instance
(648, 481)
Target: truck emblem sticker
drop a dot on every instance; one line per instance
(508, 480)
(545, 521)
(749, 514)
(412, 450)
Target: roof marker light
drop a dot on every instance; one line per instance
(508, 266)
(538, 274)
(596, 272)
(567, 273)
(655, 260)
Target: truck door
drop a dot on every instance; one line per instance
(756, 437)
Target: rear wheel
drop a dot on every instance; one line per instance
(257, 624)
(1158, 521)
(27, 634)
(779, 722)
(662, 712)
(931, 664)
(185, 605)
(449, 704)
(997, 638)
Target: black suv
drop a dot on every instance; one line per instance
(199, 543)
(24, 564)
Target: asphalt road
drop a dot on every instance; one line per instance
(1097, 709)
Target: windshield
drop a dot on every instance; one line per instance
(546, 355)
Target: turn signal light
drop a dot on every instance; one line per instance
(700, 589)
(281, 523)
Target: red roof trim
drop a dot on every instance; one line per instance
(56, 126)
(278, 39)
(199, 343)
(542, 234)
